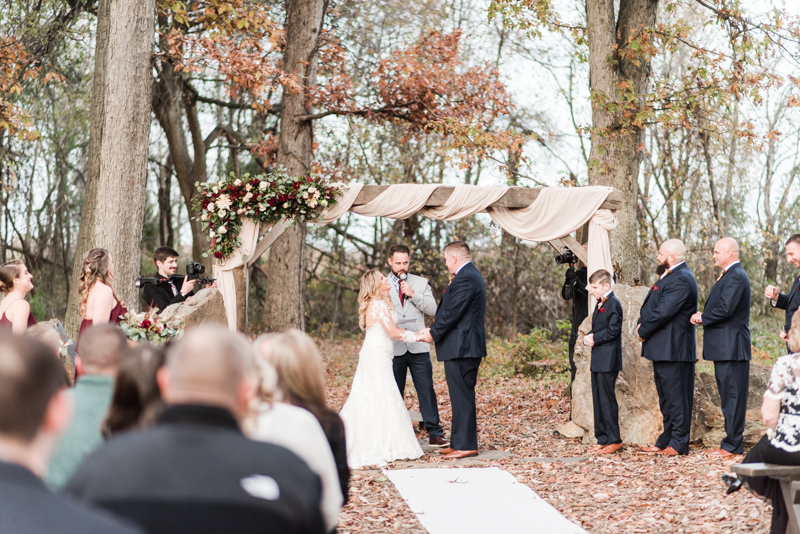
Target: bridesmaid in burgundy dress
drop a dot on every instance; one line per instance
(15, 282)
(98, 302)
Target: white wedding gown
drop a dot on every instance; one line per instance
(377, 425)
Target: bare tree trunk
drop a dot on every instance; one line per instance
(112, 214)
(616, 154)
(283, 303)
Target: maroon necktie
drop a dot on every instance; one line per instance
(402, 297)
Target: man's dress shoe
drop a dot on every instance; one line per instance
(596, 448)
(456, 455)
(720, 453)
(610, 449)
(448, 450)
(669, 451)
(650, 449)
(438, 442)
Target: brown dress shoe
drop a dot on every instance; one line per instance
(448, 450)
(456, 455)
(651, 449)
(610, 449)
(438, 442)
(669, 451)
(596, 448)
(720, 453)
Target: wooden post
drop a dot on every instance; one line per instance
(240, 280)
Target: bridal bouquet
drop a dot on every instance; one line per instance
(148, 326)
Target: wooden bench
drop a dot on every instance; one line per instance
(789, 478)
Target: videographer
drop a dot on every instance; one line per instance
(574, 289)
(171, 288)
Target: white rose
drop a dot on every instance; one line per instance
(211, 207)
(211, 233)
(285, 205)
(215, 189)
(312, 189)
(203, 217)
(222, 214)
(248, 197)
(263, 185)
(237, 183)
(312, 204)
(240, 211)
(248, 187)
(222, 230)
(262, 208)
(305, 195)
(324, 202)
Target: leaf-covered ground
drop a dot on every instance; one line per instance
(627, 492)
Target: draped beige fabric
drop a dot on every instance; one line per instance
(465, 201)
(224, 272)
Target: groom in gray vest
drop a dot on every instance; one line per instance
(413, 299)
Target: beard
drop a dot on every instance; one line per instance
(662, 268)
(396, 273)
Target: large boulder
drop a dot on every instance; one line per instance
(639, 414)
(206, 306)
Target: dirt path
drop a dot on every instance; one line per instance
(627, 492)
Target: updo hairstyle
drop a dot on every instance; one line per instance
(9, 271)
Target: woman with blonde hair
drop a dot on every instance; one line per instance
(300, 381)
(278, 422)
(98, 301)
(378, 427)
(16, 283)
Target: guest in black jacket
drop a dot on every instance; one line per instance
(173, 288)
(668, 340)
(34, 410)
(791, 301)
(195, 472)
(605, 339)
(726, 342)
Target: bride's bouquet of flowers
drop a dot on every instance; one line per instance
(148, 326)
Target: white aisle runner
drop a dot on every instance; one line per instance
(477, 500)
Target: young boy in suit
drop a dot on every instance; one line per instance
(605, 340)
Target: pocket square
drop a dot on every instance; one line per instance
(655, 288)
(601, 310)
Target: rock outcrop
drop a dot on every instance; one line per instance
(206, 306)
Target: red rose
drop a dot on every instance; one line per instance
(218, 255)
(309, 179)
(272, 202)
(282, 198)
(296, 186)
(146, 324)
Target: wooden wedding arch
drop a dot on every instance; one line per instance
(534, 214)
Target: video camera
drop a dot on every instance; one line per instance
(194, 270)
(566, 256)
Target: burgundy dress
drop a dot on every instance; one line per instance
(5, 323)
(114, 318)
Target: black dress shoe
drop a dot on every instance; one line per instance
(732, 482)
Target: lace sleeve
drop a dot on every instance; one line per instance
(380, 312)
(781, 377)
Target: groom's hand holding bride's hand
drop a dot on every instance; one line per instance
(425, 335)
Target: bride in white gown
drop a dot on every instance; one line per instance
(377, 425)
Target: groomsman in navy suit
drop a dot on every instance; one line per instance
(668, 340)
(605, 339)
(726, 342)
(789, 302)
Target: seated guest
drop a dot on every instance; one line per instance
(34, 410)
(195, 472)
(293, 427)
(781, 444)
(98, 301)
(101, 351)
(15, 283)
(137, 401)
(174, 288)
(605, 339)
(47, 334)
(301, 382)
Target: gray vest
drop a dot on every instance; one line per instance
(411, 316)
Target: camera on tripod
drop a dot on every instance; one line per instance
(566, 256)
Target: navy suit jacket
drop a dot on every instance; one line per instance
(790, 303)
(459, 330)
(665, 319)
(607, 330)
(726, 318)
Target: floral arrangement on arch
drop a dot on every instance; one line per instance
(222, 206)
(149, 326)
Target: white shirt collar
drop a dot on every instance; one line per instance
(607, 294)
(459, 269)
(731, 264)
(665, 273)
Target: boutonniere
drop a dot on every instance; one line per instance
(655, 288)
(601, 310)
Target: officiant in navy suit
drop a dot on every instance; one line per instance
(460, 336)
(726, 342)
(791, 301)
(668, 340)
